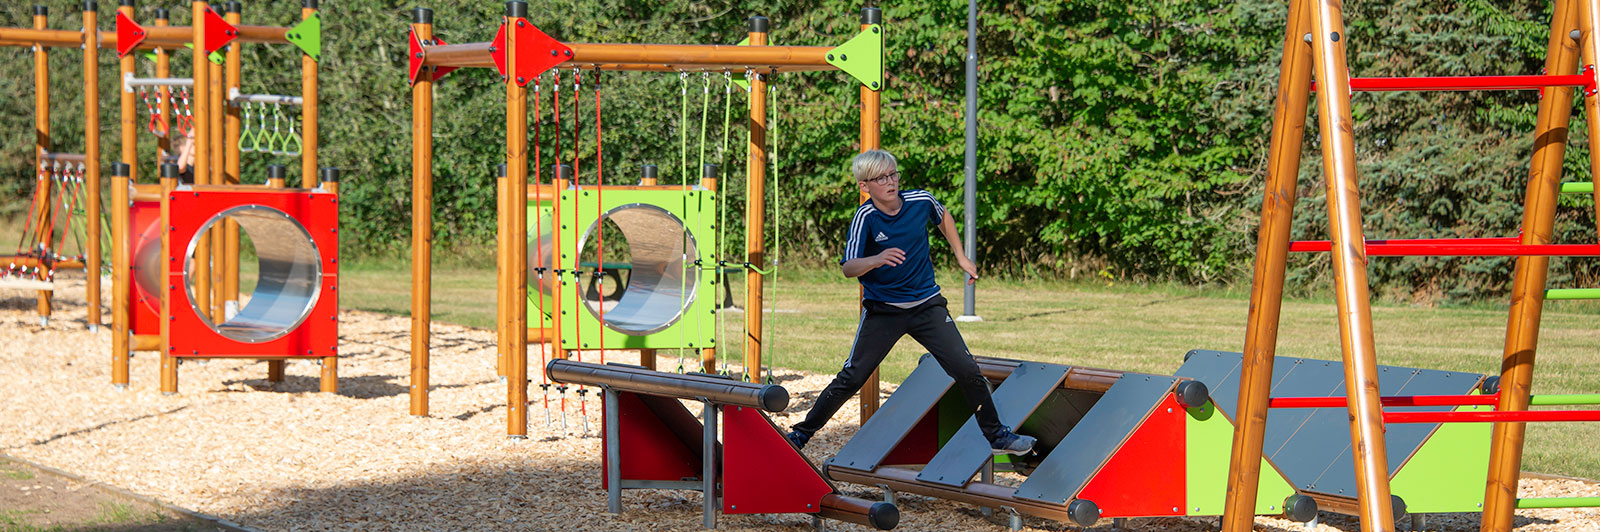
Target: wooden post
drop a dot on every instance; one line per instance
(129, 113)
(1328, 46)
(217, 234)
(647, 356)
(1266, 291)
(91, 152)
(120, 291)
(870, 140)
(502, 252)
(231, 162)
(1528, 281)
(421, 216)
(308, 107)
(169, 363)
(755, 202)
(164, 106)
(517, 219)
(41, 139)
(330, 364)
(277, 177)
(708, 355)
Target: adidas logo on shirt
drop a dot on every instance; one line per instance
(881, 237)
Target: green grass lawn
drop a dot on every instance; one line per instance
(1134, 328)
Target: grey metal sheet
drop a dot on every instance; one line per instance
(1296, 377)
(1112, 420)
(1302, 442)
(1014, 401)
(1339, 474)
(1401, 440)
(880, 434)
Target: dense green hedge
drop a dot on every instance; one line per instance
(1126, 139)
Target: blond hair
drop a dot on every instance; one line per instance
(872, 163)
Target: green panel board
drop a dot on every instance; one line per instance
(1209, 441)
(693, 209)
(862, 57)
(307, 35)
(1449, 471)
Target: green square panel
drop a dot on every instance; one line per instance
(661, 241)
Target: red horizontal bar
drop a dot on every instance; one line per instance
(1405, 400)
(1491, 417)
(1469, 83)
(1458, 247)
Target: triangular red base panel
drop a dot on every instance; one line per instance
(218, 32)
(650, 448)
(763, 473)
(129, 34)
(1127, 485)
(536, 51)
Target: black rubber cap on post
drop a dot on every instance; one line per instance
(169, 171)
(329, 174)
(235, 7)
(41, 10)
(1399, 506)
(1192, 394)
(500, 171)
(649, 171)
(422, 15)
(871, 15)
(774, 398)
(128, 3)
(1300, 508)
(120, 169)
(308, 4)
(91, 5)
(517, 9)
(163, 14)
(561, 171)
(883, 516)
(1490, 385)
(759, 24)
(1084, 512)
(277, 171)
(709, 171)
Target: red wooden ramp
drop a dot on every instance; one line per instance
(653, 441)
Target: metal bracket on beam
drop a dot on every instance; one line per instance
(862, 57)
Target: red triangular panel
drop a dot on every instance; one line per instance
(1146, 476)
(129, 34)
(497, 50)
(650, 449)
(218, 32)
(413, 55)
(761, 471)
(439, 72)
(919, 445)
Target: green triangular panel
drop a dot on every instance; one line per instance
(215, 57)
(1450, 469)
(308, 36)
(660, 218)
(738, 79)
(1209, 439)
(862, 57)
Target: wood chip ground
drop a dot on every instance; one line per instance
(286, 457)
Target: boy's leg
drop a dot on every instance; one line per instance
(932, 327)
(875, 336)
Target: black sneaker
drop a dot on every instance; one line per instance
(1009, 442)
(797, 439)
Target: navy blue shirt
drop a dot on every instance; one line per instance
(872, 231)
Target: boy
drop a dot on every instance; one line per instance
(887, 249)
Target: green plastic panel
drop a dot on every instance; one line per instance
(694, 209)
(215, 57)
(308, 36)
(1449, 471)
(862, 57)
(1209, 442)
(1577, 188)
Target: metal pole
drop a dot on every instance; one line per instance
(421, 217)
(708, 460)
(613, 449)
(969, 293)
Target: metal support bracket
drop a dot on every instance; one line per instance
(1013, 518)
(862, 57)
(307, 35)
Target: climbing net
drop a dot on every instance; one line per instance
(58, 201)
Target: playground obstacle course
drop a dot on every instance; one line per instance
(652, 441)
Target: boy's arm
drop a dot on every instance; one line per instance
(947, 226)
(857, 267)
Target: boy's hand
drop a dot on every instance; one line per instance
(971, 269)
(891, 257)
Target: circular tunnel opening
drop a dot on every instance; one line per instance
(286, 281)
(648, 286)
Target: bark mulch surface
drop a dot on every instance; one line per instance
(281, 456)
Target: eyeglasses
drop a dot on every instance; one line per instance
(884, 179)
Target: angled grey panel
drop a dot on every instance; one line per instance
(1014, 401)
(884, 430)
(1098, 436)
(1219, 371)
(1401, 440)
(1339, 477)
(1301, 442)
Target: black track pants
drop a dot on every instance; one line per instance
(882, 325)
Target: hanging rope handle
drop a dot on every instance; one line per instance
(185, 118)
(275, 138)
(291, 141)
(151, 108)
(245, 144)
